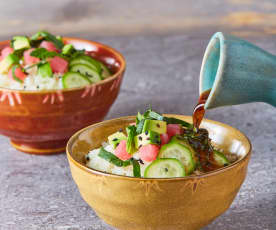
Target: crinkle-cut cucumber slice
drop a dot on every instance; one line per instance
(165, 168)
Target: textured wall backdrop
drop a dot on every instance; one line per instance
(116, 17)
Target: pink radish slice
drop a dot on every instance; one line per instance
(28, 59)
(58, 65)
(121, 151)
(149, 152)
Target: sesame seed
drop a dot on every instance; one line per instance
(158, 125)
(146, 132)
(140, 138)
(120, 130)
(148, 139)
(166, 170)
(87, 158)
(115, 139)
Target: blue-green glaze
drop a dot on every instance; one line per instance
(237, 72)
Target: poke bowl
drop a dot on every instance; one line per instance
(189, 202)
(42, 121)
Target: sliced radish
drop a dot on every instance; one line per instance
(121, 151)
(173, 129)
(58, 65)
(149, 152)
(164, 138)
(49, 46)
(19, 74)
(28, 59)
(6, 51)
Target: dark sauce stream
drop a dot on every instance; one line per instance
(200, 137)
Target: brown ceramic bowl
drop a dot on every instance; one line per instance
(41, 122)
(158, 204)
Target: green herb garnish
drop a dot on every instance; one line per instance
(13, 74)
(43, 54)
(111, 158)
(139, 126)
(136, 168)
(19, 53)
(149, 114)
(131, 132)
(49, 37)
(172, 120)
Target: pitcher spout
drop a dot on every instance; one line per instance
(237, 72)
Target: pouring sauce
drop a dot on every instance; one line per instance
(199, 110)
(200, 140)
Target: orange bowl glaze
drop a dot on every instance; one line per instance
(130, 203)
(41, 122)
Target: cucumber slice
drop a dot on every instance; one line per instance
(165, 168)
(220, 158)
(180, 152)
(105, 71)
(181, 140)
(74, 80)
(83, 69)
(83, 59)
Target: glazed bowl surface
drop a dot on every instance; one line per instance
(158, 204)
(41, 122)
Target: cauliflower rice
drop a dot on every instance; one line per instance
(95, 162)
(32, 81)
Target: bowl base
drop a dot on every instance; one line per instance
(40, 148)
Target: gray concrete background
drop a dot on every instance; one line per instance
(163, 44)
(37, 192)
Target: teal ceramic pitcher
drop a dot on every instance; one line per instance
(237, 72)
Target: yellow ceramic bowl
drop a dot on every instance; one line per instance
(158, 204)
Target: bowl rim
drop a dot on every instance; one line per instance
(115, 176)
(98, 44)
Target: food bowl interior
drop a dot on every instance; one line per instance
(110, 57)
(103, 53)
(224, 137)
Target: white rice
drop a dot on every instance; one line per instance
(32, 81)
(98, 163)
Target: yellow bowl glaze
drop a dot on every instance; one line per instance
(158, 204)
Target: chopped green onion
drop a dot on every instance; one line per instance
(13, 74)
(136, 168)
(139, 127)
(170, 120)
(49, 37)
(111, 158)
(131, 132)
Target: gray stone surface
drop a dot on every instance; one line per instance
(37, 192)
